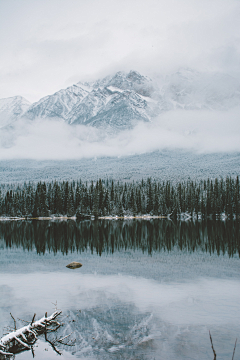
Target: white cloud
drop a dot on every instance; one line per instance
(49, 43)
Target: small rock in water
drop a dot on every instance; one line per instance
(74, 265)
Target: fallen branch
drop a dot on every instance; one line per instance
(23, 338)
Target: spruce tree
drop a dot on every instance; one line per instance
(149, 196)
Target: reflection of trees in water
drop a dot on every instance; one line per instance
(110, 236)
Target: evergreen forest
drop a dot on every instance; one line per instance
(207, 198)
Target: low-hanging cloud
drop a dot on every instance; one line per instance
(199, 131)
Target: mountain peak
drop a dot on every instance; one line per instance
(117, 101)
(12, 108)
(136, 77)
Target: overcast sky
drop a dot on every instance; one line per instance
(47, 45)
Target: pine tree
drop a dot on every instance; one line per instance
(120, 212)
(155, 200)
(43, 199)
(124, 197)
(66, 198)
(1, 204)
(229, 211)
(70, 202)
(29, 200)
(100, 196)
(132, 202)
(36, 209)
(209, 198)
(215, 205)
(106, 203)
(139, 201)
(149, 196)
(57, 199)
(95, 202)
(77, 196)
(237, 198)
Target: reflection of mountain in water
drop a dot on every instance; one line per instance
(111, 236)
(115, 330)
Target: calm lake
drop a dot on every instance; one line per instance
(148, 289)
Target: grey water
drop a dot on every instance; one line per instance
(148, 289)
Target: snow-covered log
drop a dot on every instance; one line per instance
(23, 338)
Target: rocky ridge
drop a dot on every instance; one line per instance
(120, 101)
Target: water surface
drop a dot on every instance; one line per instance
(147, 289)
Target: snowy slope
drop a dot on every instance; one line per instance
(120, 101)
(11, 109)
(174, 165)
(111, 103)
(57, 105)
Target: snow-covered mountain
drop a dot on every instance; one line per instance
(11, 109)
(114, 102)
(58, 105)
(118, 102)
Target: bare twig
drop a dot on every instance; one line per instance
(33, 318)
(214, 352)
(27, 322)
(234, 349)
(15, 324)
(65, 337)
(55, 305)
(33, 355)
(52, 345)
(60, 341)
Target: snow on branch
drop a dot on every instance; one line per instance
(25, 337)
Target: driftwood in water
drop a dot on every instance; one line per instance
(25, 337)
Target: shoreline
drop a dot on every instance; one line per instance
(146, 217)
(180, 217)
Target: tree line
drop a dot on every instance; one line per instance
(208, 198)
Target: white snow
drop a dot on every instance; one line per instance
(148, 99)
(115, 89)
(186, 89)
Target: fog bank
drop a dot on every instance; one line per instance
(199, 131)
